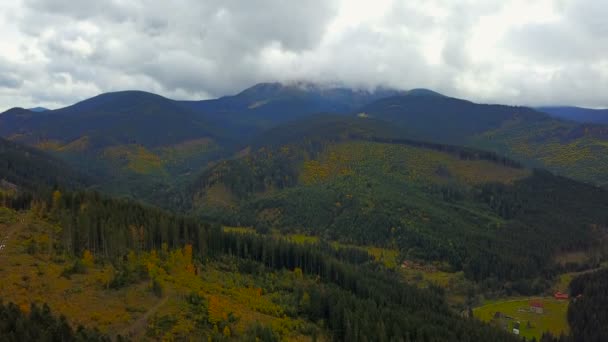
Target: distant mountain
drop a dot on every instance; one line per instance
(139, 143)
(267, 104)
(431, 116)
(135, 143)
(578, 114)
(423, 92)
(38, 109)
(576, 150)
(129, 117)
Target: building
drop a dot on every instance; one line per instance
(537, 306)
(560, 296)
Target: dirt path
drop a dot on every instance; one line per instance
(141, 323)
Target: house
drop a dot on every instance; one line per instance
(537, 306)
(559, 295)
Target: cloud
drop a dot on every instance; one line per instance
(56, 52)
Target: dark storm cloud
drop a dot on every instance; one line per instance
(532, 52)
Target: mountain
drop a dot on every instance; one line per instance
(134, 143)
(129, 117)
(267, 104)
(433, 202)
(445, 119)
(578, 114)
(575, 150)
(38, 109)
(147, 146)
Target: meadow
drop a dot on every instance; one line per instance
(553, 319)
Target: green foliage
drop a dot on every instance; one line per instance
(258, 332)
(40, 325)
(588, 312)
(479, 212)
(26, 168)
(77, 267)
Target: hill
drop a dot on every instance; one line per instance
(129, 117)
(25, 168)
(132, 143)
(473, 210)
(146, 146)
(574, 150)
(578, 114)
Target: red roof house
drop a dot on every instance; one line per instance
(559, 295)
(537, 306)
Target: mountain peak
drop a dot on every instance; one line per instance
(38, 109)
(423, 92)
(17, 111)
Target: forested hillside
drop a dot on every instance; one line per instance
(119, 245)
(30, 169)
(129, 143)
(474, 210)
(571, 149)
(588, 313)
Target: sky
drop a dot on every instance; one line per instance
(531, 52)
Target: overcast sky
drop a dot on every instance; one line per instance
(56, 52)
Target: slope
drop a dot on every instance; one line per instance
(265, 105)
(568, 148)
(471, 209)
(132, 143)
(110, 263)
(25, 168)
(578, 114)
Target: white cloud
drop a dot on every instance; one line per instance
(56, 52)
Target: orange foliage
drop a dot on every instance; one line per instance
(216, 312)
(87, 258)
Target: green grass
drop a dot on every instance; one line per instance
(240, 230)
(7, 215)
(554, 318)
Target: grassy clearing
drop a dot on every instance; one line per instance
(553, 319)
(563, 280)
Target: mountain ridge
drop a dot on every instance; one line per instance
(578, 114)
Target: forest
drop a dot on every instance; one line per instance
(433, 202)
(352, 290)
(476, 213)
(588, 313)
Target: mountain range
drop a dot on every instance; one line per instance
(578, 114)
(123, 137)
(297, 211)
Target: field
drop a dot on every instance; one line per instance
(553, 319)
